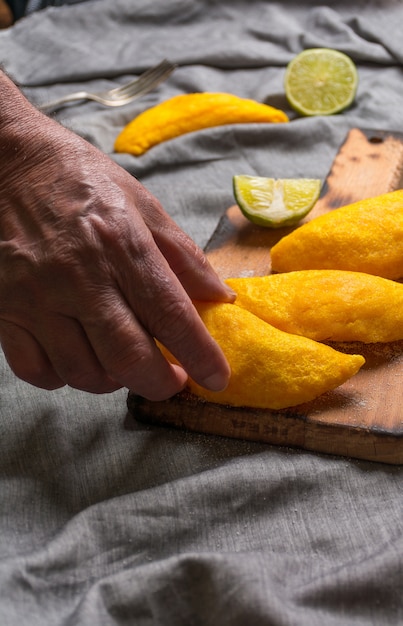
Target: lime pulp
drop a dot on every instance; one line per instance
(274, 203)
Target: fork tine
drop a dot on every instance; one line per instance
(135, 88)
(145, 87)
(148, 78)
(119, 95)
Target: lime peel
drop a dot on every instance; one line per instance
(275, 203)
(320, 81)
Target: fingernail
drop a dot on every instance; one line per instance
(216, 382)
(231, 293)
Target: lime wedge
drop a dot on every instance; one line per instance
(275, 202)
(320, 81)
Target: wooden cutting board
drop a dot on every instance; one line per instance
(363, 418)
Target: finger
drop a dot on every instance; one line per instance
(130, 356)
(179, 328)
(73, 357)
(193, 269)
(168, 314)
(185, 258)
(27, 358)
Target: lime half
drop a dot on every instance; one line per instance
(275, 202)
(320, 81)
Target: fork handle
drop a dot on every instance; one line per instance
(78, 95)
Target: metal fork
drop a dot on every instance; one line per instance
(119, 96)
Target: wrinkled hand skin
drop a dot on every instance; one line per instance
(92, 269)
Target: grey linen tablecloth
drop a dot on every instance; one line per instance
(106, 521)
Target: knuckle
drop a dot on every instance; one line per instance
(92, 382)
(36, 375)
(83, 374)
(134, 360)
(142, 371)
(172, 321)
(26, 359)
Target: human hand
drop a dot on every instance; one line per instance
(92, 269)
